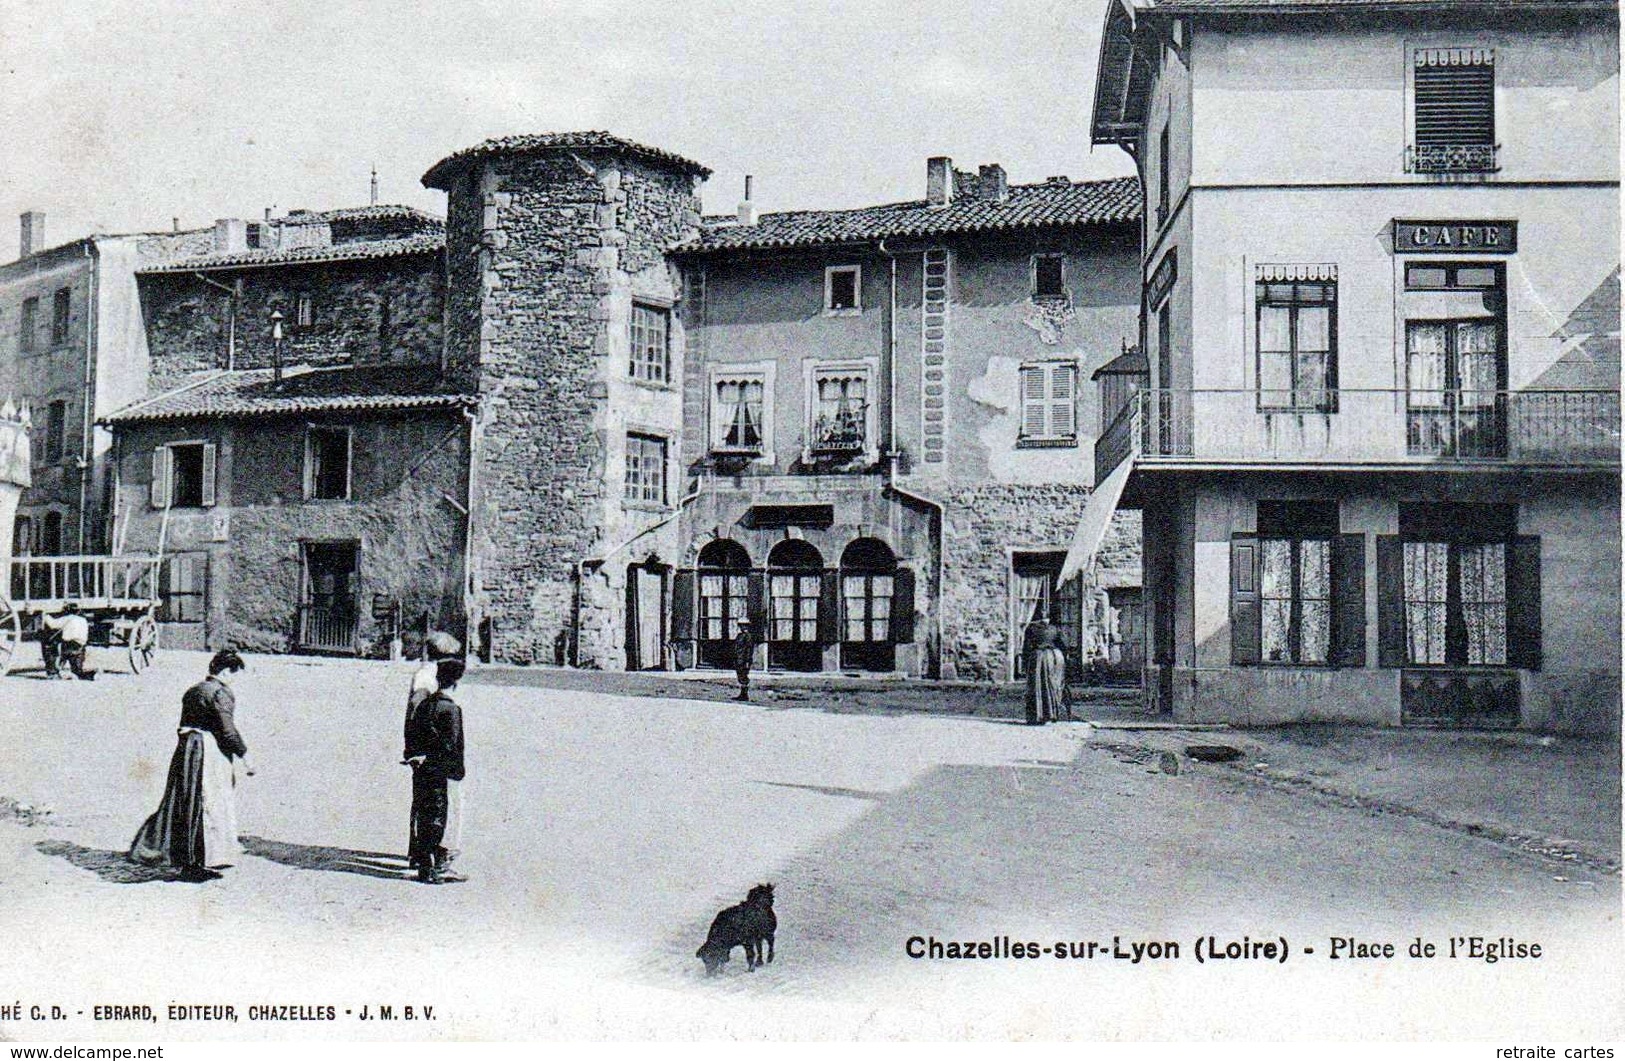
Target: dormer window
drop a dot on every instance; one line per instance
(843, 290)
(1454, 110)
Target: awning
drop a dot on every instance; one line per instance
(1097, 516)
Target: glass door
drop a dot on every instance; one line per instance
(1455, 375)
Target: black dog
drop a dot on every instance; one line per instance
(745, 925)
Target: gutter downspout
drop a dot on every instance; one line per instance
(892, 454)
(472, 420)
(236, 292)
(87, 445)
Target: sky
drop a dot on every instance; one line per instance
(118, 116)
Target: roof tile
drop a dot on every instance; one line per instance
(439, 175)
(421, 243)
(252, 393)
(1029, 206)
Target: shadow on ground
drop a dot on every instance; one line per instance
(327, 859)
(114, 867)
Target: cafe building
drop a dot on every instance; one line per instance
(1376, 448)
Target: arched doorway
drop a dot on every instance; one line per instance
(794, 587)
(724, 600)
(868, 603)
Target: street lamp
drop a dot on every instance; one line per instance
(276, 348)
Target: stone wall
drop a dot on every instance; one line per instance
(408, 476)
(984, 524)
(188, 320)
(553, 239)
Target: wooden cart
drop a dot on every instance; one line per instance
(118, 595)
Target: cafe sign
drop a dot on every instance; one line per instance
(1455, 237)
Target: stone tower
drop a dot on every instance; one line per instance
(551, 240)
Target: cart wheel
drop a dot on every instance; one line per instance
(143, 640)
(11, 635)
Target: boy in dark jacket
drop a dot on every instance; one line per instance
(434, 750)
(744, 656)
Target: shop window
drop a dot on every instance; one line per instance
(843, 289)
(1049, 403)
(1297, 588)
(651, 343)
(1297, 339)
(877, 606)
(1453, 120)
(327, 463)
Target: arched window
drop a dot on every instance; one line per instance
(724, 599)
(868, 585)
(795, 571)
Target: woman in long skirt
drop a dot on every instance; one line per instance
(1046, 673)
(195, 826)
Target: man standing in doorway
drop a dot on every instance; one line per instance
(744, 656)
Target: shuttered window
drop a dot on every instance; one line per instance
(1454, 92)
(183, 475)
(1049, 402)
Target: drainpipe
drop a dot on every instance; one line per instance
(891, 448)
(235, 290)
(472, 420)
(87, 446)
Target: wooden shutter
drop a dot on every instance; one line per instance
(1063, 401)
(208, 473)
(683, 585)
(1390, 601)
(1246, 611)
(1455, 97)
(310, 461)
(902, 607)
(160, 477)
(756, 603)
(1033, 406)
(1348, 600)
(1523, 603)
(829, 607)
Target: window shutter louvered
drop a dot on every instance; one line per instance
(1348, 600)
(902, 606)
(829, 607)
(1032, 401)
(160, 477)
(208, 474)
(683, 585)
(1246, 612)
(1063, 401)
(1523, 603)
(1390, 601)
(1455, 97)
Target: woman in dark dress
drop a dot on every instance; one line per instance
(1043, 648)
(195, 826)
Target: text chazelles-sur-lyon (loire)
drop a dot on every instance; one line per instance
(1213, 948)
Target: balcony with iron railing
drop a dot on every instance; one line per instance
(1364, 428)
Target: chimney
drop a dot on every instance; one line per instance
(230, 234)
(33, 233)
(939, 180)
(747, 209)
(995, 185)
(174, 224)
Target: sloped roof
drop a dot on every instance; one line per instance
(1056, 202)
(421, 243)
(377, 212)
(440, 174)
(252, 393)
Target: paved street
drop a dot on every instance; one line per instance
(604, 831)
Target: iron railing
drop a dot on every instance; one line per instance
(1556, 428)
(1452, 158)
(328, 627)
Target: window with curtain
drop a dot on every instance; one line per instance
(736, 414)
(1297, 344)
(1295, 587)
(1456, 603)
(867, 601)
